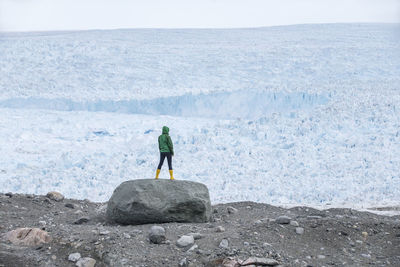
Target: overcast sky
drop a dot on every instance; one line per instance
(43, 15)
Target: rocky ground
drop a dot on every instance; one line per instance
(237, 232)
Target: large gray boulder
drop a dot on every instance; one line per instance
(159, 201)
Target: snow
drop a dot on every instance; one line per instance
(305, 114)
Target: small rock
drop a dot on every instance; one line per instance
(28, 236)
(321, 257)
(224, 244)
(299, 230)
(56, 196)
(294, 223)
(246, 244)
(364, 234)
(157, 234)
(185, 241)
(104, 232)
(74, 257)
(314, 217)
(283, 220)
(192, 248)
(9, 194)
(232, 210)
(42, 223)
(220, 229)
(258, 222)
(53, 257)
(368, 256)
(183, 263)
(230, 262)
(82, 220)
(260, 261)
(126, 235)
(196, 236)
(70, 205)
(86, 262)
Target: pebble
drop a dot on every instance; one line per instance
(246, 244)
(70, 205)
(232, 210)
(192, 248)
(126, 235)
(185, 241)
(224, 243)
(294, 223)
(157, 234)
(82, 220)
(299, 230)
(9, 194)
(104, 232)
(321, 257)
(196, 236)
(74, 257)
(86, 262)
(183, 263)
(256, 261)
(283, 220)
(368, 256)
(220, 229)
(56, 196)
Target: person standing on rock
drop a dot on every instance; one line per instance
(166, 151)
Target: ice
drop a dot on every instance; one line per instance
(290, 115)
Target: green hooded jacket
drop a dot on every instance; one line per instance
(165, 142)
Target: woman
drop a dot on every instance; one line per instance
(166, 151)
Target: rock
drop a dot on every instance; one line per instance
(70, 205)
(104, 232)
(196, 236)
(185, 241)
(28, 236)
(230, 262)
(321, 257)
(159, 201)
(157, 234)
(183, 263)
(220, 229)
(231, 210)
(74, 257)
(86, 262)
(260, 261)
(283, 220)
(294, 223)
(126, 235)
(82, 220)
(9, 194)
(299, 230)
(224, 244)
(192, 248)
(56, 196)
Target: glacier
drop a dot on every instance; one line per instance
(289, 115)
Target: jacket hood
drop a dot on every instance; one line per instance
(165, 130)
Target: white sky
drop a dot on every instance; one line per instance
(43, 15)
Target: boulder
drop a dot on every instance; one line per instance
(28, 236)
(159, 201)
(185, 241)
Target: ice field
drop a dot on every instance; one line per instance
(305, 114)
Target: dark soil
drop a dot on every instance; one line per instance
(331, 237)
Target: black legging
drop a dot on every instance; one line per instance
(169, 159)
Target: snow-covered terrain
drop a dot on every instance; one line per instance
(305, 114)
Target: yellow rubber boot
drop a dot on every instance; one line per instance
(157, 173)
(171, 174)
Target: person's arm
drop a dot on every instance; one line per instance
(159, 143)
(170, 145)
